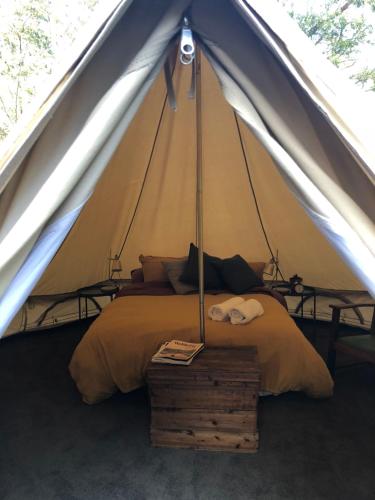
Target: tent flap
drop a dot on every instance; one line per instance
(73, 169)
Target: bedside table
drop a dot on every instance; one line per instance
(308, 292)
(91, 292)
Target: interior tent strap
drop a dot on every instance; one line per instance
(254, 194)
(192, 89)
(169, 84)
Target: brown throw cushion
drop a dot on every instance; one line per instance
(153, 269)
(137, 275)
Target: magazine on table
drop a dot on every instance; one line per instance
(177, 352)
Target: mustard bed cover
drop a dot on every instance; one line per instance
(114, 352)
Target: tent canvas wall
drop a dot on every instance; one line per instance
(106, 156)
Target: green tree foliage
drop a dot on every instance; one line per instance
(341, 28)
(366, 78)
(31, 33)
(25, 50)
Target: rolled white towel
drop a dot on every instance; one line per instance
(245, 312)
(220, 312)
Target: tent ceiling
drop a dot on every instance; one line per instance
(164, 223)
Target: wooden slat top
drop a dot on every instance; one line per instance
(212, 359)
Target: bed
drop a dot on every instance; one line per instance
(114, 352)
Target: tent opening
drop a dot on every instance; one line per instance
(110, 168)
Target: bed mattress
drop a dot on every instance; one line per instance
(114, 352)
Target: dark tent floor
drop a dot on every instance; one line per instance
(52, 446)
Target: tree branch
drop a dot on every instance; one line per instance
(346, 6)
(16, 99)
(5, 109)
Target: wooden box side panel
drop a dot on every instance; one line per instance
(207, 378)
(216, 398)
(227, 362)
(187, 419)
(206, 440)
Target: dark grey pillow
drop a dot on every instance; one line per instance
(212, 278)
(174, 271)
(238, 276)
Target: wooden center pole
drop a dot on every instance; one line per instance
(199, 194)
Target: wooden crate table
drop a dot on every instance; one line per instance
(210, 404)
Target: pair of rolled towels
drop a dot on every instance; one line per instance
(238, 310)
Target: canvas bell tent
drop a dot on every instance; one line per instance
(106, 163)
